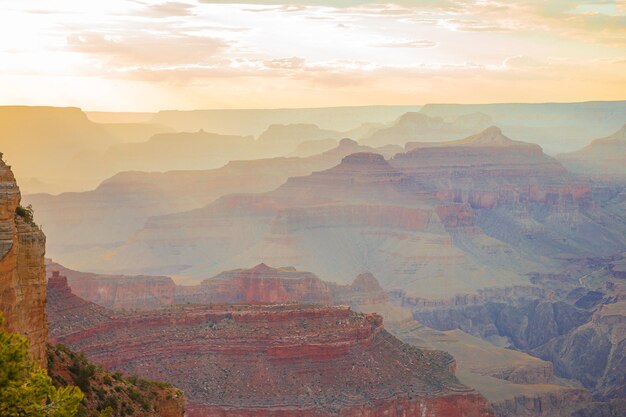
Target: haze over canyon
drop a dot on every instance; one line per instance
(313, 208)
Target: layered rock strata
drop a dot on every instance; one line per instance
(22, 271)
(262, 360)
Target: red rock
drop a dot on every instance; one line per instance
(280, 360)
(22, 271)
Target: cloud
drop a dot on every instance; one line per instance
(522, 62)
(169, 9)
(419, 43)
(142, 49)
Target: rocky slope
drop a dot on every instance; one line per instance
(581, 332)
(22, 271)
(104, 391)
(280, 360)
(515, 383)
(603, 158)
(600, 369)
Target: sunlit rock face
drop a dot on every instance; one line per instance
(22, 271)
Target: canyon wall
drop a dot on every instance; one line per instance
(22, 271)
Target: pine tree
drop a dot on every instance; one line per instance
(27, 390)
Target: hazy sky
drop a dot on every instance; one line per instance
(149, 55)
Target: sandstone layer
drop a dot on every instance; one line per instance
(22, 271)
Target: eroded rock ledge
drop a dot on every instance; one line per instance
(278, 360)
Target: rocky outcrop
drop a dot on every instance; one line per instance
(22, 271)
(280, 360)
(68, 312)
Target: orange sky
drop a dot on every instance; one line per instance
(124, 55)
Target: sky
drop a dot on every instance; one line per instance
(138, 55)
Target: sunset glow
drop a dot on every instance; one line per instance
(149, 55)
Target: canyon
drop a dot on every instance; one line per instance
(437, 213)
(514, 382)
(261, 359)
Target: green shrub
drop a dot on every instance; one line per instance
(26, 213)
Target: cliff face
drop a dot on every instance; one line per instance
(22, 271)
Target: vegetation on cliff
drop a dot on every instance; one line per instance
(111, 394)
(27, 390)
(26, 213)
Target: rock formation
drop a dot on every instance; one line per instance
(22, 271)
(260, 284)
(514, 382)
(437, 213)
(283, 360)
(287, 137)
(601, 369)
